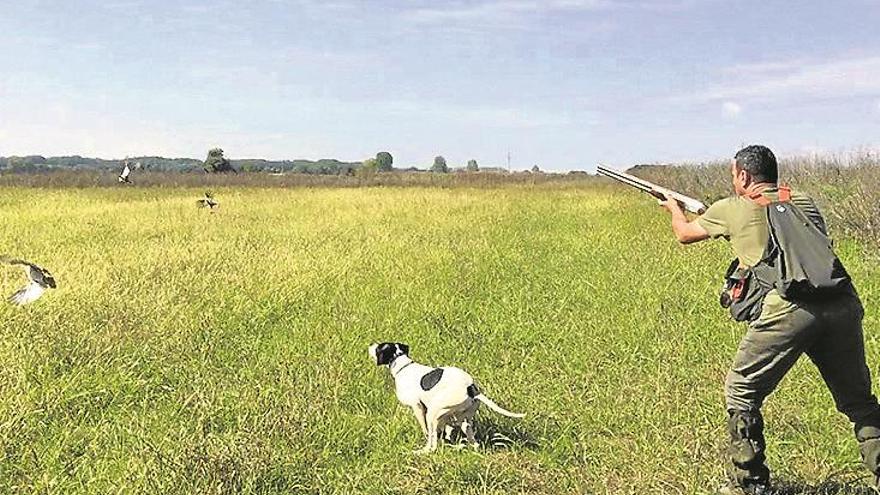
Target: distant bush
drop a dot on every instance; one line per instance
(439, 165)
(217, 163)
(369, 168)
(384, 161)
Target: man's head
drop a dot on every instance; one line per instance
(753, 164)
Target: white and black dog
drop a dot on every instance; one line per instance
(441, 398)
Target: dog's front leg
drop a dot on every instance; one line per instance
(420, 413)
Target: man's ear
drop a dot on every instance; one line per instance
(403, 348)
(744, 178)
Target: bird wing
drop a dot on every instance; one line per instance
(29, 267)
(27, 294)
(35, 273)
(201, 203)
(125, 172)
(12, 261)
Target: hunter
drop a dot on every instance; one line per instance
(821, 318)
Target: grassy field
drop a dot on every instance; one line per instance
(189, 352)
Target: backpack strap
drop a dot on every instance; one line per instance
(759, 199)
(784, 194)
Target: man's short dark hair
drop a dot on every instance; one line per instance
(759, 162)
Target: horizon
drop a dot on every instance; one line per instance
(844, 156)
(561, 84)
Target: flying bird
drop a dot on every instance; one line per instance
(208, 202)
(39, 279)
(123, 177)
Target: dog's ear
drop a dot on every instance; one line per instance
(403, 348)
(385, 353)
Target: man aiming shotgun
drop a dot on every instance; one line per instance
(796, 297)
(661, 193)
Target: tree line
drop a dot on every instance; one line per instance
(216, 162)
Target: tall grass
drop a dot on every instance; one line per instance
(190, 352)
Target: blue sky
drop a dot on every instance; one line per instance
(563, 84)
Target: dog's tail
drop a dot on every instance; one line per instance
(475, 394)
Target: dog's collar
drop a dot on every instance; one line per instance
(395, 373)
(402, 368)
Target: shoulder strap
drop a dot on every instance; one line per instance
(784, 194)
(761, 200)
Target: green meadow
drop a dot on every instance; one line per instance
(210, 353)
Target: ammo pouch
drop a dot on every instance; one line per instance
(743, 293)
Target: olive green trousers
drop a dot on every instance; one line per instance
(830, 334)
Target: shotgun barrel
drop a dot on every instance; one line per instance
(690, 204)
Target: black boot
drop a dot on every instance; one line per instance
(747, 469)
(868, 436)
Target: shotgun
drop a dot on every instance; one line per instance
(690, 204)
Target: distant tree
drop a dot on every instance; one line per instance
(369, 167)
(216, 162)
(439, 165)
(536, 170)
(28, 160)
(472, 166)
(384, 160)
(30, 163)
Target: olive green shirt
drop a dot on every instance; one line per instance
(744, 223)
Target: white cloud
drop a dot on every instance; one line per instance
(730, 110)
(196, 8)
(829, 79)
(502, 8)
(764, 68)
(519, 13)
(125, 5)
(88, 46)
(473, 115)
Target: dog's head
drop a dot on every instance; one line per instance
(385, 352)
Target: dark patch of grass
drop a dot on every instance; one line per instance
(827, 487)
